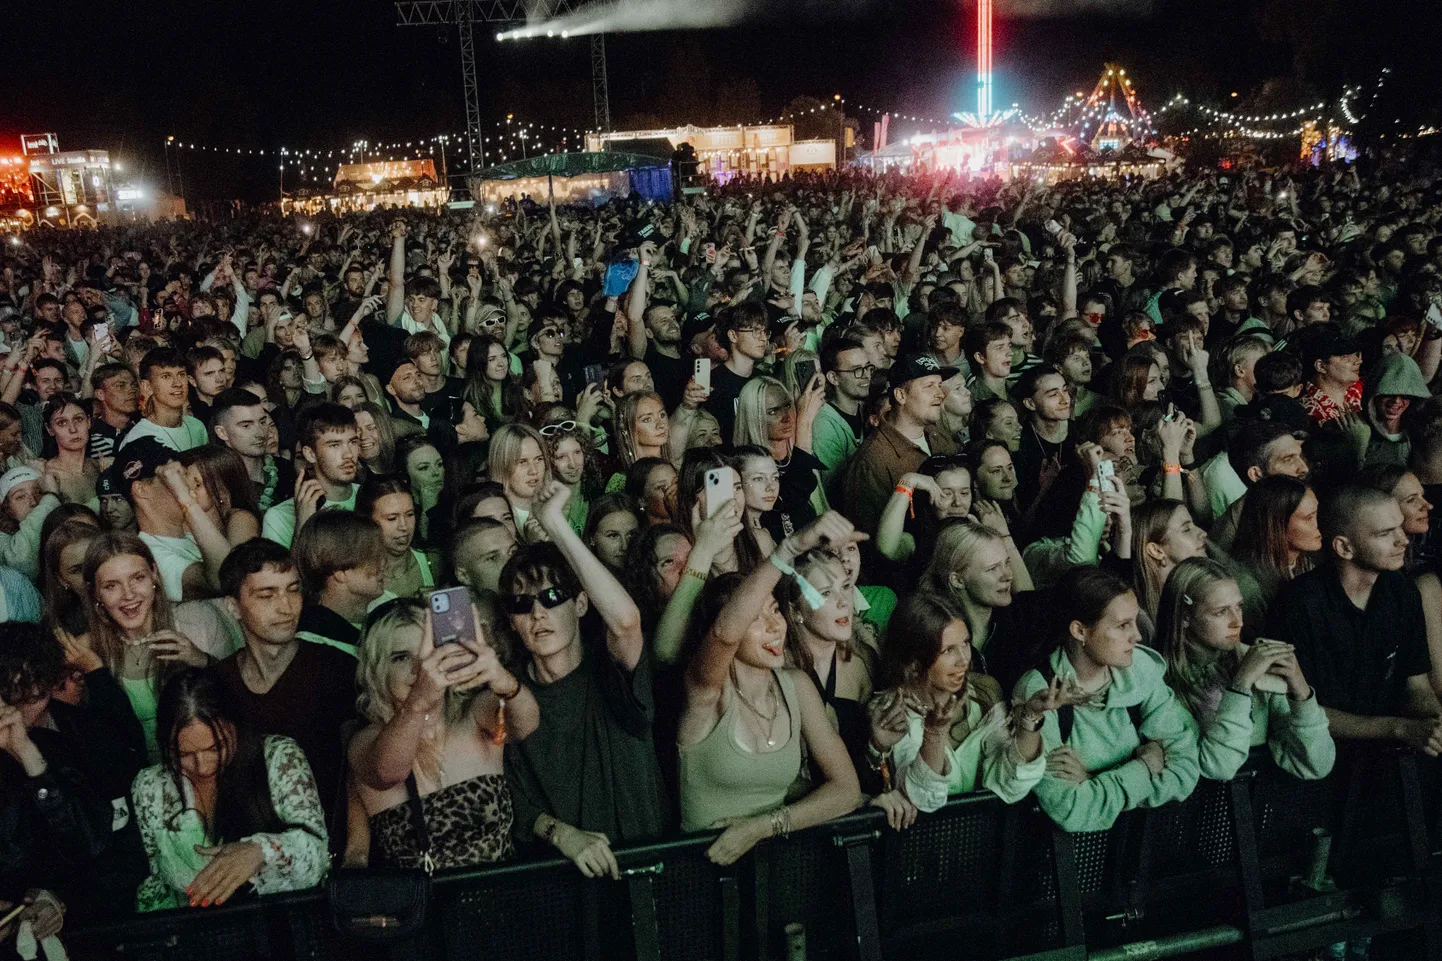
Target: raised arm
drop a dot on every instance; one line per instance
(396, 295)
(617, 609)
(713, 535)
(636, 303)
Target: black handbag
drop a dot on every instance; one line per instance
(384, 904)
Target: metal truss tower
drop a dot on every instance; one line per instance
(464, 14)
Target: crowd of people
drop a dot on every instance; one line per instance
(787, 498)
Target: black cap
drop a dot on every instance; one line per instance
(108, 484)
(139, 460)
(909, 367)
(1323, 342)
(637, 234)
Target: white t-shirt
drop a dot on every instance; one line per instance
(173, 557)
(190, 434)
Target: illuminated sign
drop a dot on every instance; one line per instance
(129, 193)
(39, 143)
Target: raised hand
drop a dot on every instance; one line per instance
(174, 646)
(990, 515)
(889, 720)
(308, 495)
(551, 501)
(830, 529)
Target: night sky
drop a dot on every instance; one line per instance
(323, 73)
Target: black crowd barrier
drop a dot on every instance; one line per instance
(1264, 866)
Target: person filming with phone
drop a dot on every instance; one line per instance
(440, 706)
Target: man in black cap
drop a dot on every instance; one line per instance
(115, 510)
(906, 437)
(1331, 368)
(187, 545)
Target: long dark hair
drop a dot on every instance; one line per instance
(913, 643)
(1267, 511)
(478, 390)
(1083, 594)
(243, 805)
(639, 573)
(692, 484)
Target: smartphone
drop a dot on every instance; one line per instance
(451, 619)
(986, 254)
(1105, 472)
(1053, 228)
(1434, 315)
(102, 336)
(702, 374)
(720, 489)
(595, 374)
(805, 370)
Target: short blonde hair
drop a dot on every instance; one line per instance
(957, 543)
(505, 452)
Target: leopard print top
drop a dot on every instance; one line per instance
(469, 823)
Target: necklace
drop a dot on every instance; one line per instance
(761, 715)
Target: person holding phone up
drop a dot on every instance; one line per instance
(440, 711)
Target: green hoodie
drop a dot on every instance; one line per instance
(1295, 732)
(1104, 738)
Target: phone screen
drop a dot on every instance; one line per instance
(451, 618)
(805, 370)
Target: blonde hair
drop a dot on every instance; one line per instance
(626, 423)
(750, 426)
(506, 444)
(373, 700)
(1189, 675)
(1149, 526)
(794, 606)
(957, 543)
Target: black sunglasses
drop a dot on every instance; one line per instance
(550, 598)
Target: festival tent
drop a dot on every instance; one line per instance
(575, 178)
(1068, 159)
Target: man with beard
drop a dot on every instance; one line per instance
(900, 444)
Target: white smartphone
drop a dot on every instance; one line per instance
(720, 489)
(1434, 315)
(986, 254)
(1105, 472)
(702, 375)
(1053, 228)
(102, 336)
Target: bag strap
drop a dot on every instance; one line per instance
(1066, 714)
(418, 820)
